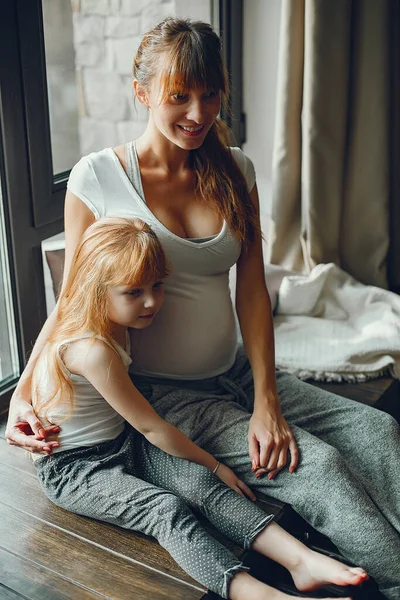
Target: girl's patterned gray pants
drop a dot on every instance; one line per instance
(130, 483)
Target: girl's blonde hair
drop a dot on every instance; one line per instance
(113, 251)
(187, 54)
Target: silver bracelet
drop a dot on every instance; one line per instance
(215, 469)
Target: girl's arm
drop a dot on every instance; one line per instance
(23, 427)
(104, 369)
(270, 437)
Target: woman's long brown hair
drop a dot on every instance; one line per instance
(188, 54)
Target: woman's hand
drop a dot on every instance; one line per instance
(231, 480)
(26, 431)
(270, 440)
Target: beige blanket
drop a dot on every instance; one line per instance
(330, 327)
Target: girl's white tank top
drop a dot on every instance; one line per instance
(92, 421)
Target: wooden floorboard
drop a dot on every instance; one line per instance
(29, 498)
(8, 594)
(366, 392)
(100, 545)
(84, 564)
(382, 393)
(21, 485)
(32, 581)
(155, 573)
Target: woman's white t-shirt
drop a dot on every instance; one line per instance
(194, 335)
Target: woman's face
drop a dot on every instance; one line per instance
(186, 116)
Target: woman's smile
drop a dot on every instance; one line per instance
(192, 131)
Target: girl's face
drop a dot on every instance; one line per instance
(184, 117)
(135, 306)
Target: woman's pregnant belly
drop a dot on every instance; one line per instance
(193, 336)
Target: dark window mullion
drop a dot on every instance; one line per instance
(47, 204)
(24, 241)
(394, 117)
(231, 28)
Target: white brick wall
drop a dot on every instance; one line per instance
(107, 34)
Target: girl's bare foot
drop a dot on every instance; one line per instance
(314, 570)
(243, 586)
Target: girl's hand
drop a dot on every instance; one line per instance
(26, 431)
(270, 440)
(231, 480)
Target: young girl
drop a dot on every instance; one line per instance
(114, 450)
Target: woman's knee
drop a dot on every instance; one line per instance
(375, 424)
(325, 462)
(326, 483)
(387, 424)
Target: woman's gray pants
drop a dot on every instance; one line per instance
(347, 484)
(130, 483)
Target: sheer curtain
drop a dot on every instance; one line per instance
(331, 149)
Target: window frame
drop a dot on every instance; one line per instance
(48, 190)
(23, 235)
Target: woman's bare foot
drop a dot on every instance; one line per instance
(314, 570)
(243, 586)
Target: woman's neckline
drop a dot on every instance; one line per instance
(132, 190)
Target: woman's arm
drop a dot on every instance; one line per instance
(100, 365)
(24, 429)
(270, 437)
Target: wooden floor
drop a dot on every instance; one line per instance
(47, 553)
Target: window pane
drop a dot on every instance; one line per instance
(9, 363)
(90, 46)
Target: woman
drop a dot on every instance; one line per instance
(200, 197)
